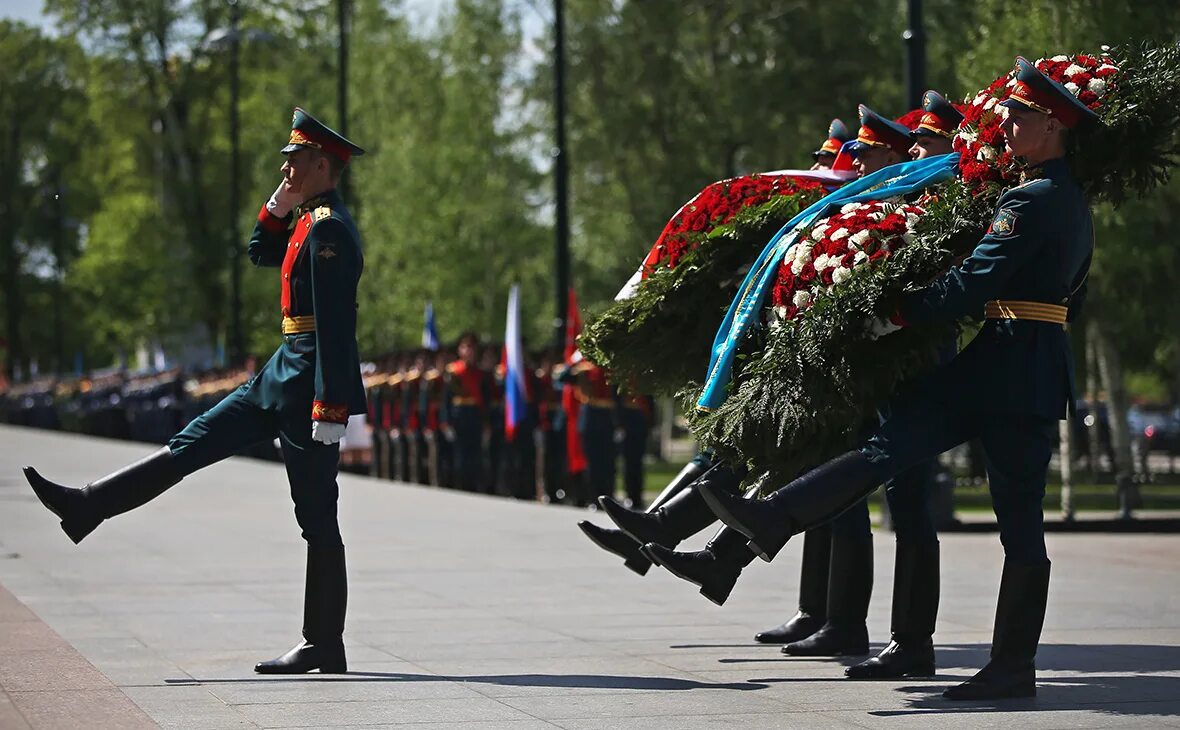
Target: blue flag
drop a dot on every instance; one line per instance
(429, 330)
(746, 308)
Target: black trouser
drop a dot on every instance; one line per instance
(235, 424)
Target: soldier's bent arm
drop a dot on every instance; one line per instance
(1013, 237)
(335, 270)
(268, 242)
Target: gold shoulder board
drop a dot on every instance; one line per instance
(321, 213)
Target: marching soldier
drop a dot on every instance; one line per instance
(825, 156)
(1008, 387)
(910, 651)
(936, 129)
(879, 143)
(303, 395)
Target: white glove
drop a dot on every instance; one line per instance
(283, 200)
(327, 432)
(879, 327)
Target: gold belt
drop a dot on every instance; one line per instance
(299, 325)
(459, 401)
(1036, 311)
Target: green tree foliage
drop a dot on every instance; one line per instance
(126, 108)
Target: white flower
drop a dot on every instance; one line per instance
(990, 103)
(821, 262)
(1096, 85)
(1105, 66)
(850, 207)
(789, 256)
(819, 231)
(911, 220)
(986, 152)
(841, 274)
(876, 217)
(1058, 59)
(1072, 88)
(968, 137)
(860, 238)
(1011, 82)
(797, 268)
(780, 312)
(860, 258)
(841, 234)
(979, 98)
(1073, 69)
(801, 298)
(802, 253)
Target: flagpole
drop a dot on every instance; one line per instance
(561, 178)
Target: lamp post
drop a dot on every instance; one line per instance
(237, 345)
(342, 79)
(915, 62)
(231, 38)
(560, 179)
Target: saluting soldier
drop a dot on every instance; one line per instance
(303, 395)
(1008, 387)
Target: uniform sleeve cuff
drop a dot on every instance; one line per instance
(330, 412)
(271, 222)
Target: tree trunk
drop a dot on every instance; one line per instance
(1111, 371)
(1066, 456)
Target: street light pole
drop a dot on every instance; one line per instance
(561, 179)
(237, 346)
(342, 80)
(915, 43)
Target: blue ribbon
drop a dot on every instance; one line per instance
(744, 312)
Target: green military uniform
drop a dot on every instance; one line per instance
(1008, 388)
(314, 375)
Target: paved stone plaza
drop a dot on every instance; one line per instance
(479, 613)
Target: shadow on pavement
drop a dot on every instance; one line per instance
(601, 681)
(1141, 691)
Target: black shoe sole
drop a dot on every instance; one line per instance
(924, 672)
(978, 695)
(716, 597)
(636, 563)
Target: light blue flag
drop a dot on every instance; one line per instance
(429, 329)
(745, 311)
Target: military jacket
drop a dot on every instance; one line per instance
(1037, 249)
(317, 248)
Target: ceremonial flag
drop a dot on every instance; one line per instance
(429, 329)
(575, 457)
(515, 396)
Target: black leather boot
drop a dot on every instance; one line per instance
(813, 591)
(325, 598)
(682, 516)
(1020, 615)
(715, 569)
(620, 543)
(850, 585)
(812, 499)
(910, 652)
(82, 510)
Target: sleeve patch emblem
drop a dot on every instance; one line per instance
(1004, 223)
(326, 253)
